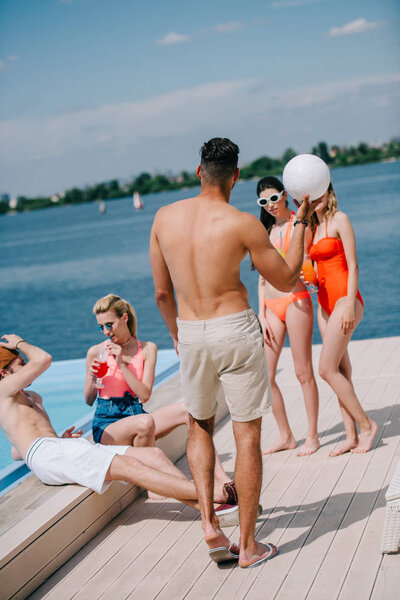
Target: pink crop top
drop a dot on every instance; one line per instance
(114, 382)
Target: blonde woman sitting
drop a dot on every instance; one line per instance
(120, 417)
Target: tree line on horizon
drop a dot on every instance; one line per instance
(145, 183)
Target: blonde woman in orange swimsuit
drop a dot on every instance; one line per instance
(120, 418)
(340, 309)
(282, 313)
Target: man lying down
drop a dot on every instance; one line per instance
(71, 458)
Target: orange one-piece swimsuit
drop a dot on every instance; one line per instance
(333, 271)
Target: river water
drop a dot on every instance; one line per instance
(55, 263)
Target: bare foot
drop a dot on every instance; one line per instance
(154, 496)
(220, 495)
(286, 444)
(343, 448)
(260, 554)
(366, 438)
(310, 446)
(215, 538)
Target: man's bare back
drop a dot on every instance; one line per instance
(196, 248)
(201, 241)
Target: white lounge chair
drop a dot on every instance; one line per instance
(391, 528)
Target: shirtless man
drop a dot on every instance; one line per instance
(72, 459)
(196, 248)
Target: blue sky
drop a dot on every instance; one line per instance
(97, 89)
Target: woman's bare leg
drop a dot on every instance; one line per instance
(351, 440)
(299, 323)
(167, 418)
(137, 430)
(286, 439)
(334, 348)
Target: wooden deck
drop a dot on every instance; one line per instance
(325, 514)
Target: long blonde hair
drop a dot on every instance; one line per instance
(332, 206)
(119, 306)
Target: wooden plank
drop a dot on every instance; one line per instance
(392, 364)
(61, 556)
(367, 559)
(379, 352)
(299, 580)
(154, 578)
(291, 476)
(44, 550)
(21, 501)
(69, 578)
(387, 585)
(303, 517)
(162, 544)
(298, 493)
(286, 512)
(332, 572)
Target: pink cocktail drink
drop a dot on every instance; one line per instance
(100, 369)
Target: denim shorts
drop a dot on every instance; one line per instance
(110, 410)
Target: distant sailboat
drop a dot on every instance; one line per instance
(102, 207)
(137, 201)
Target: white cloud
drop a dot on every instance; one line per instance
(120, 125)
(357, 26)
(291, 3)
(88, 145)
(173, 38)
(4, 63)
(123, 124)
(222, 28)
(228, 27)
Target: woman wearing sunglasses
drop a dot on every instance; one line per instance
(120, 418)
(340, 309)
(282, 313)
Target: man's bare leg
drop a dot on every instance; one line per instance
(129, 468)
(248, 476)
(201, 456)
(168, 418)
(157, 459)
(150, 468)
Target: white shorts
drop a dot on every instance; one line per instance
(228, 352)
(56, 461)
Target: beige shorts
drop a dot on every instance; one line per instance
(227, 352)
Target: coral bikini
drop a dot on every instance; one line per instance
(280, 305)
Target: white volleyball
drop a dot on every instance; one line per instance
(306, 174)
